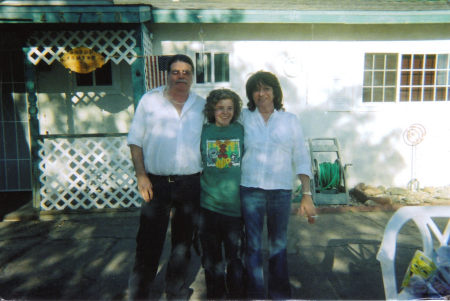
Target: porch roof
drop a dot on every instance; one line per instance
(298, 11)
(231, 11)
(73, 13)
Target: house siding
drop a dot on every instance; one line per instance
(320, 68)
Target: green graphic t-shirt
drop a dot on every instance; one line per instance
(221, 149)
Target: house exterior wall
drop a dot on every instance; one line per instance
(320, 68)
(65, 108)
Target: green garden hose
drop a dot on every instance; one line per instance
(329, 175)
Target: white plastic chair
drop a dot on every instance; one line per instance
(422, 216)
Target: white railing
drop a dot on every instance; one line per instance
(86, 172)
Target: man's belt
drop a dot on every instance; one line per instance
(173, 178)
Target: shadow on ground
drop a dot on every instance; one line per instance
(11, 201)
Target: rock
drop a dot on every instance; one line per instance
(397, 191)
(370, 203)
(369, 195)
(382, 200)
(382, 188)
(358, 193)
(373, 191)
(430, 190)
(412, 202)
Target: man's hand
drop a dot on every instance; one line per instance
(145, 187)
(307, 208)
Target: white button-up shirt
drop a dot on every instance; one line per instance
(170, 142)
(274, 152)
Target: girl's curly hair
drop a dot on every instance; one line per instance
(217, 95)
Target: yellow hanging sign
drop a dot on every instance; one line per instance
(82, 60)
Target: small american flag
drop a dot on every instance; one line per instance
(156, 70)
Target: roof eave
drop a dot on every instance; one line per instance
(75, 14)
(296, 16)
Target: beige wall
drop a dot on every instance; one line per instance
(321, 68)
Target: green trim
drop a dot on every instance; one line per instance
(75, 14)
(137, 69)
(296, 16)
(30, 86)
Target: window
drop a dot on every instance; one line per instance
(99, 77)
(418, 77)
(380, 77)
(212, 67)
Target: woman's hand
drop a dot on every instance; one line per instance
(307, 208)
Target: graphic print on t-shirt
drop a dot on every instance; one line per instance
(223, 153)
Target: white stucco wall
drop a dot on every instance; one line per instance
(321, 72)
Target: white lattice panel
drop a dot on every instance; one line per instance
(147, 42)
(86, 173)
(115, 45)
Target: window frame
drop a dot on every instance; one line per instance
(422, 79)
(115, 81)
(211, 69)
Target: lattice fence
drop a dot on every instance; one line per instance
(89, 172)
(115, 45)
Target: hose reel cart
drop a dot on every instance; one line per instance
(329, 183)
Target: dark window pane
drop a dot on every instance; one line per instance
(440, 93)
(7, 103)
(368, 78)
(406, 78)
(103, 75)
(85, 79)
(12, 175)
(377, 94)
(22, 144)
(17, 61)
(378, 78)
(418, 61)
(391, 78)
(429, 78)
(406, 61)
(2, 175)
(417, 78)
(430, 62)
(367, 95)
(379, 61)
(25, 174)
(10, 140)
(368, 61)
(2, 141)
(416, 94)
(428, 94)
(19, 87)
(389, 94)
(391, 61)
(199, 69)
(5, 64)
(404, 94)
(203, 68)
(221, 67)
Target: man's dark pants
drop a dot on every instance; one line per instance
(182, 194)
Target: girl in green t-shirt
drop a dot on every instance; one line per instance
(222, 144)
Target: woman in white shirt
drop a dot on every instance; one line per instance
(274, 153)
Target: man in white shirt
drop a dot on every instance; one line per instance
(164, 140)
